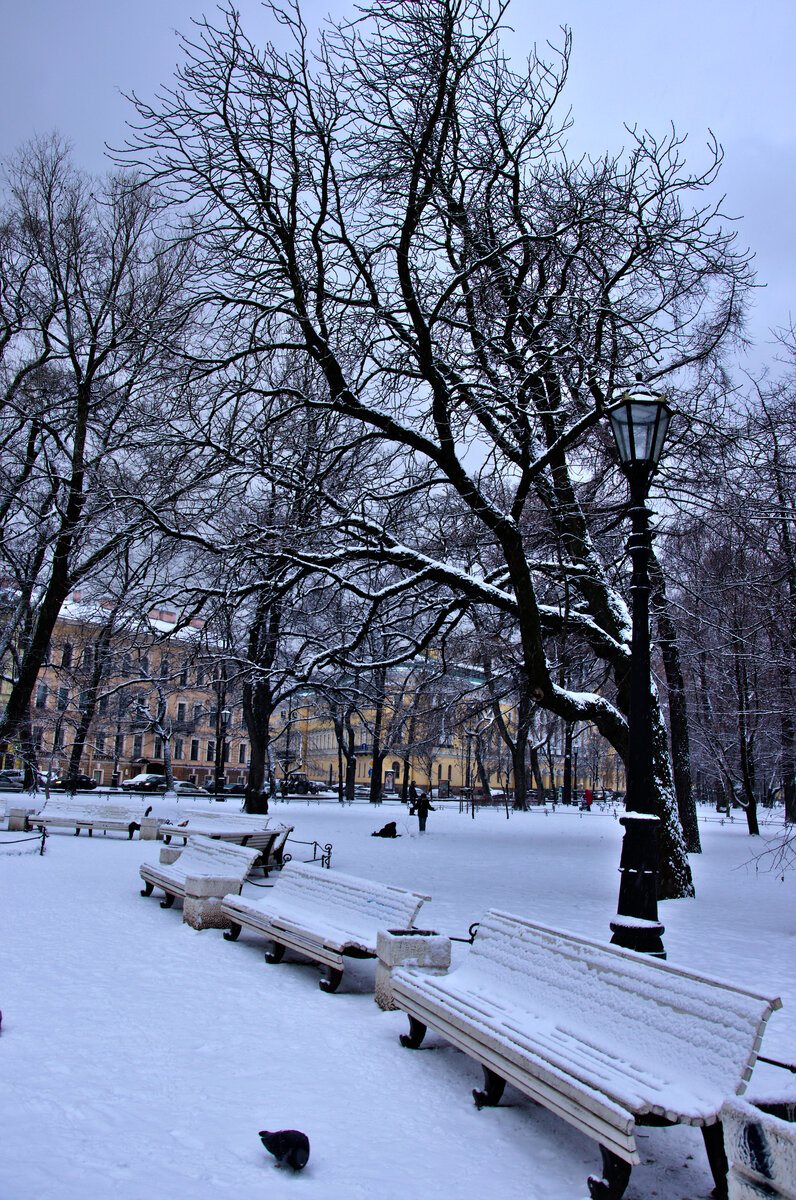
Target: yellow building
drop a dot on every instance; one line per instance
(155, 692)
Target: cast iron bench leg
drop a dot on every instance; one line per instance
(167, 900)
(275, 954)
(615, 1177)
(492, 1090)
(232, 933)
(331, 980)
(146, 890)
(417, 1031)
(714, 1144)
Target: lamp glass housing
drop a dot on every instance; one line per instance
(639, 423)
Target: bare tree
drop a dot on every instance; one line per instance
(89, 316)
(400, 209)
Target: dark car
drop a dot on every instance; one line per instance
(80, 783)
(145, 782)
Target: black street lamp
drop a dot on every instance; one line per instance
(639, 423)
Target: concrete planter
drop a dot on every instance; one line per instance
(149, 828)
(170, 853)
(760, 1141)
(18, 818)
(423, 948)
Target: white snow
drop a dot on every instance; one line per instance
(140, 1057)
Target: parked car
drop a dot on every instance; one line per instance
(237, 789)
(145, 782)
(14, 781)
(209, 785)
(80, 783)
(185, 787)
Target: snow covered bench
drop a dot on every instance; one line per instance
(602, 1037)
(324, 915)
(206, 870)
(270, 841)
(79, 814)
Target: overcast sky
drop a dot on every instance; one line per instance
(703, 64)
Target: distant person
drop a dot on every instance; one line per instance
(412, 797)
(423, 807)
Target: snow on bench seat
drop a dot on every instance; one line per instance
(206, 870)
(604, 1038)
(81, 814)
(324, 915)
(269, 840)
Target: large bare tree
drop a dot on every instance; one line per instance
(90, 314)
(398, 206)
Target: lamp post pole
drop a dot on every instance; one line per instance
(639, 423)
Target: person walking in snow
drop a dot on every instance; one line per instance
(412, 795)
(424, 807)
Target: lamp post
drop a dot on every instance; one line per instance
(639, 423)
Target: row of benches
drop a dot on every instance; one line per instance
(606, 1039)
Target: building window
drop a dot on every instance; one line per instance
(211, 751)
(242, 748)
(118, 745)
(200, 676)
(58, 739)
(63, 699)
(41, 695)
(164, 666)
(143, 665)
(103, 705)
(194, 750)
(181, 713)
(158, 747)
(178, 748)
(138, 745)
(197, 712)
(66, 655)
(184, 673)
(99, 743)
(37, 734)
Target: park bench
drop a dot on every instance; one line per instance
(206, 870)
(602, 1037)
(324, 915)
(270, 841)
(83, 814)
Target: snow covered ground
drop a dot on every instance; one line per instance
(139, 1058)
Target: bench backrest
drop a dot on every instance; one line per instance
(644, 1010)
(209, 856)
(333, 892)
(87, 811)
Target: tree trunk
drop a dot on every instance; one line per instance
(678, 710)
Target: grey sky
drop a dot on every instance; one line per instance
(703, 64)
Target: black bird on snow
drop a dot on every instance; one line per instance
(290, 1147)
